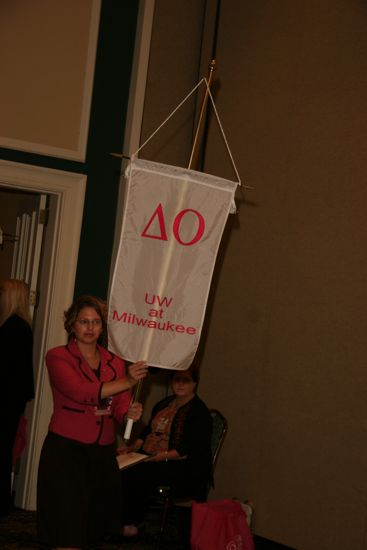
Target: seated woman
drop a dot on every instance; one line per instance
(177, 439)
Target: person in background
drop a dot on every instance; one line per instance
(177, 440)
(78, 493)
(17, 385)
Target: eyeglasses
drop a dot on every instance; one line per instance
(94, 322)
(183, 379)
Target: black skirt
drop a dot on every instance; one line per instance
(78, 492)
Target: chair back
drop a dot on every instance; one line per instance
(220, 427)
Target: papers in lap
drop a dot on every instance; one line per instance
(129, 459)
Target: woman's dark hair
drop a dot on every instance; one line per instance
(193, 370)
(71, 314)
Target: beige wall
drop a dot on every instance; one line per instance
(45, 92)
(283, 354)
(285, 349)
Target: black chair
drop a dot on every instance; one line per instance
(220, 427)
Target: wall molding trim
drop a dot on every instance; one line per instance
(51, 103)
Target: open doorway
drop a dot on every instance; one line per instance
(57, 266)
(22, 231)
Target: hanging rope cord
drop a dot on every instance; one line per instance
(217, 117)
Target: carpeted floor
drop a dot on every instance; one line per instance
(18, 532)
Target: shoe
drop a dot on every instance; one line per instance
(130, 531)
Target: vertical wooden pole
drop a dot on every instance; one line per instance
(212, 67)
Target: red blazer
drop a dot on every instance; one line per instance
(76, 393)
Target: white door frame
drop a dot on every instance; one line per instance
(69, 188)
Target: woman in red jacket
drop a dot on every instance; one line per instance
(78, 478)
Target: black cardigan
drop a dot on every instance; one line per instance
(16, 345)
(190, 435)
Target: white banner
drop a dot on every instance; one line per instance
(173, 222)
